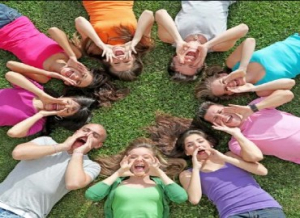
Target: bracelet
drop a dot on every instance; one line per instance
(253, 107)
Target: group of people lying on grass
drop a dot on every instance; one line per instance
(138, 182)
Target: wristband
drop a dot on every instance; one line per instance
(253, 107)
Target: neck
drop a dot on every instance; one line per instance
(58, 65)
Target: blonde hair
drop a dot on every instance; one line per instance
(110, 164)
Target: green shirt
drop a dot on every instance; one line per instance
(172, 192)
(137, 202)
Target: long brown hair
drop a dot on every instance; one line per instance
(126, 35)
(203, 88)
(111, 164)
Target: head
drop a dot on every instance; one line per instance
(122, 68)
(212, 85)
(102, 89)
(190, 140)
(95, 131)
(82, 79)
(142, 152)
(182, 72)
(214, 113)
(75, 117)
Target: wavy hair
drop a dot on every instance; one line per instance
(110, 164)
(102, 89)
(126, 35)
(203, 88)
(166, 132)
(73, 122)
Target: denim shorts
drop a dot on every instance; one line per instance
(271, 212)
(7, 213)
(7, 15)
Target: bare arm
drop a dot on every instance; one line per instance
(144, 25)
(233, 33)
(21, 129)
(23, 82)
(279, 84)
(248, 47)
(31, 151)
(192, 184)
(61, 38)
(276, 99)
(252, 167)
(169, 32)
(85, 28)
(34, 73)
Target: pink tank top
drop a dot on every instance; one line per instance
(32, 47)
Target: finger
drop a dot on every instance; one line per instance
(133, 49)
(196, 152)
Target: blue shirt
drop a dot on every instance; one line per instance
(280, 60)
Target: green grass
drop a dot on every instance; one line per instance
(268, 22)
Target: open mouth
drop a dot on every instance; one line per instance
(139, 168)
(80, 141)
(229, 119)
(119, 52)
(200, 152)
(191, 54)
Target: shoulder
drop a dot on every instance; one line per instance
(185, 174)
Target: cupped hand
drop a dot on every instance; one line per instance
(86, 147)
(248, 87)
(201, 56)
(107, 51)
(66, 80)
(222, 127)
(154, 167)
(74, 63)
(67, 144)
(181, 50)
(197, 164)
(244, 111)
(125, 166)
(234, 75)
(129, 48)
(47, 99)
(215, 155)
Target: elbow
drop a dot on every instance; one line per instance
(243, 29)
(148, 13)
(250, 41)
(291, 83)
(11, 133)
(264, 172)
(9, 75)
(17, 154)
(287, 94)
(52, 30)
(10, 64)
(194, 201)
(253, 158)
(160, 13)
(72, 186)
(79, 20)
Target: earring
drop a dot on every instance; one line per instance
(58, 118)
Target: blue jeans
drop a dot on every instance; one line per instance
(8, 214)
(7, 15)
(263, 213)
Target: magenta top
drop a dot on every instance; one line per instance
(274, 132)
(16, 105)
(32, 47)
(235, 191)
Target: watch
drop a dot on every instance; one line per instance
(253, 107)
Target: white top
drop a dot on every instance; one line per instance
(208, 18)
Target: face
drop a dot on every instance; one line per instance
(219, 88)
(81, 79)
(121, 62)
(70, 107)
(141, 158)
(216, 114)
(95, 131)
(194, 141)
(190, 57)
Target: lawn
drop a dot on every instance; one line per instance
(268, 21)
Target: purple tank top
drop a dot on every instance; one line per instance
(235, 191)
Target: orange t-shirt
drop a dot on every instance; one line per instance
(105, 15)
